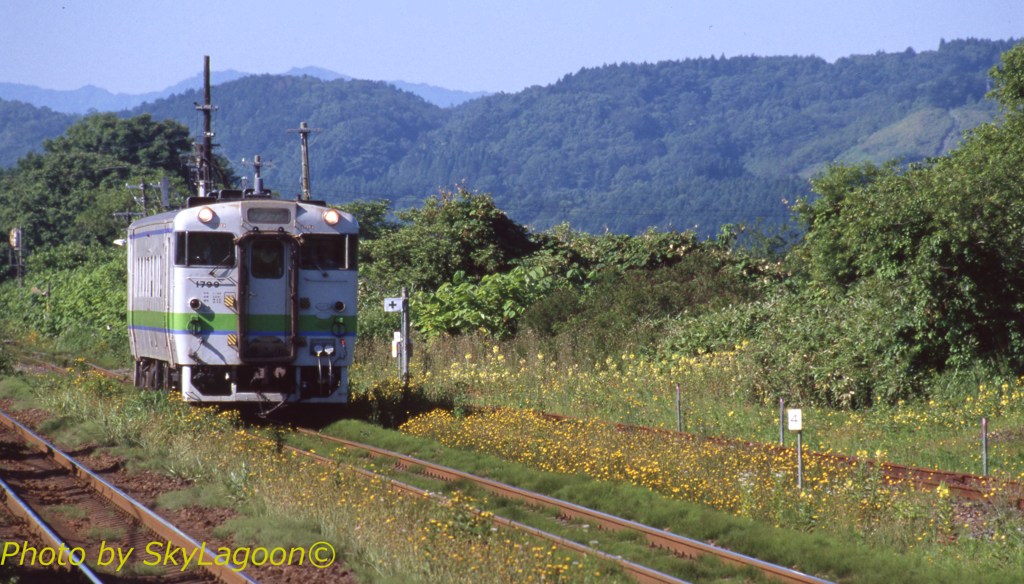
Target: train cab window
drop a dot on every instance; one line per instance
(267, 259)
(329, 252)
(204, 249)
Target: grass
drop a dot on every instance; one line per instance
(624, 544)
(68, 511)
(105, 533)
(206, 495)
(636, 389)
(850, 508)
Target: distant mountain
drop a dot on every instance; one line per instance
(436, 95)
(23, 128)
(318, 72)
(677, 144)
(91, 98)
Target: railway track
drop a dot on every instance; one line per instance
(675, 544)
(636, 571)
(88, 525)
(28, 533)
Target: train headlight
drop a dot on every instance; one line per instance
(206, 215)
(332, 217)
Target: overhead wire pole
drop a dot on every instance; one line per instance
(304, 131)
(141, 187)
(203, 155)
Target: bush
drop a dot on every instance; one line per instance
(632, 311)
(840, 351)
(548, 315)
(717, 330)
(6, 362)
(493, 305)
(74, 291)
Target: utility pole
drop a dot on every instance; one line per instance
(17, 254)
(406, 341)
(143, 200)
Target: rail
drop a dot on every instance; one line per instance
(223, 572)
(683, 546)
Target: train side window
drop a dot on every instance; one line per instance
(204, 249)
(352, 249)
(329, 252)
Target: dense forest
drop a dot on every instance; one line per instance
(902, 273)
(677, 144)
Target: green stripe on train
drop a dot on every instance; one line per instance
(227, 322)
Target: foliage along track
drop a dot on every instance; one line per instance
(964, 485)
(967, 486)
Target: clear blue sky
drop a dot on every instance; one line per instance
(135, 46)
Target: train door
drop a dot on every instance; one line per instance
(267, 316)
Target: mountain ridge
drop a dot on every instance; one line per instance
(92, 98)
(670, 145)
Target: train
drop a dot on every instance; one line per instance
(244, 297)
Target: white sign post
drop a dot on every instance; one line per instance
(796, 424)
(402, 344)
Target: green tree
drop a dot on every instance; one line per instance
(373, 217)
(137, 141)
(1009, 80)
(69, 193)
(493, 305)
(452, 232)
(940, 240)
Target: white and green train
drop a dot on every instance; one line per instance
(240, 297)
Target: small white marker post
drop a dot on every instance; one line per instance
(679, 410)
(984, 447)
(782, 417)
(401, 344)
(796, 424)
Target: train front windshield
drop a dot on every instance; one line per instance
(329, 252)
(194, 248)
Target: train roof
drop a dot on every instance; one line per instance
(242, 212)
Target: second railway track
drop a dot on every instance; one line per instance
(113, 537)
